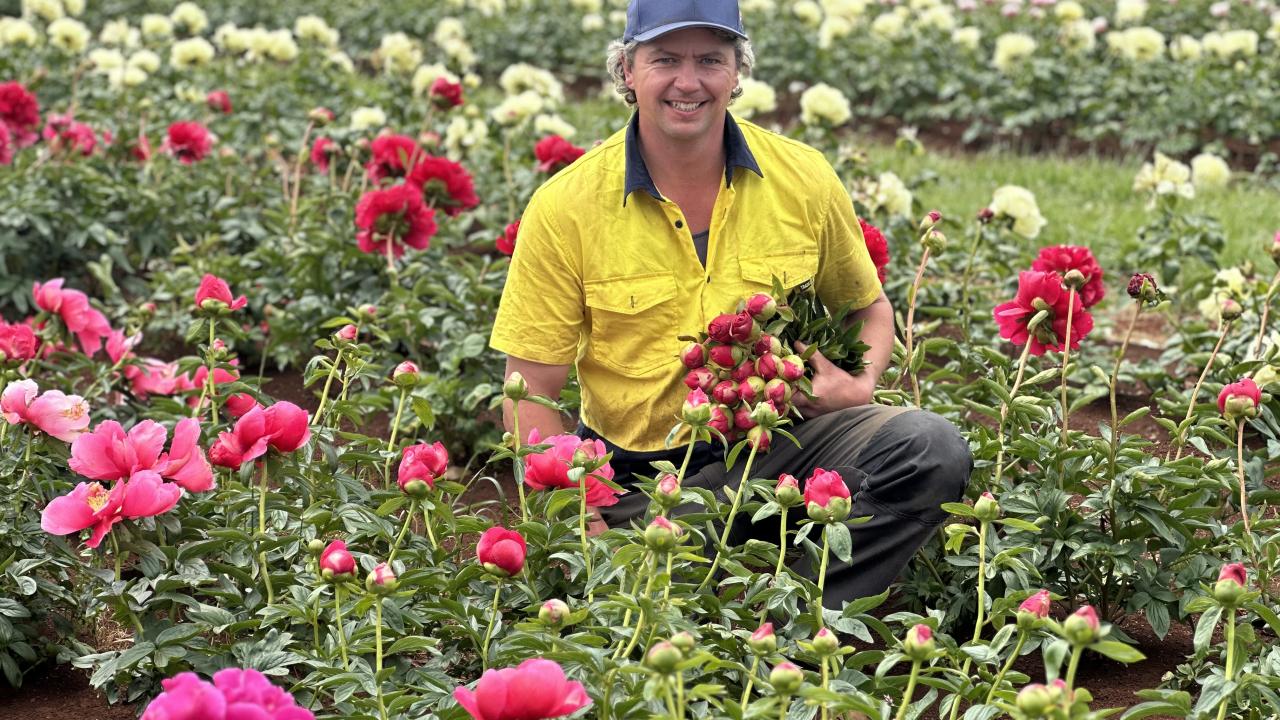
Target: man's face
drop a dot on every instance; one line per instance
(682, 81)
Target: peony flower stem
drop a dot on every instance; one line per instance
(782, 547)
(377, 640)
(488, 633)
(115, 555)
(635, 588)
(26, 470)
(982, 594)
(1071, 666)
(666, 592)
(1111, 387)
(1244, 496)
(518, 463)
(826, 683)
(910, 691)
(1266, 309)
(297, 178)
(965, 280)
(1195, 391)
(910, 326)
(680, 704)
(582, 530)
(324, 393)
(391, 261)
(426, 521)
(1013, 392)
(391, 441)
(1017, 650)
(728, 523)
(822, 575)
(648, 588)
(1231, 656)
(207, 390)
(1066, 362)
(342, 633)
(751, 679)
(408, 518)
(262, 534)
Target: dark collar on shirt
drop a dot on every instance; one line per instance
(736, 155)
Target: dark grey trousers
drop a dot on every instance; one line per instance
(900, 464)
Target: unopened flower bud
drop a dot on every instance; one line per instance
(825, 643)
(767, 366)
(725, 392)
(316, 546)
(836, 510)
(1082, 627)
(1231, 310)
(1142, 287)
(935, 242)
(662, 535)
(321, 116)
(684, 641)
(700, 378)
(765, 413)
(1231, 584)
(1074, 279)
(694, 355)
(663, 657)
(668, 491)
(406, 374)
(767, 345)
(347, 333)
(751, 390)
(986, 215)
(759, 438)
(931, 218)
(778, 392)
(786, 678)
(763, 641)
(697, 408)
(726, 356)
(787, 493)
(1035, 700)
(792, 368)
(368, 311)
(381, 580)
(986, 509)
(919, 645)
(553, 614)
(514, 388)
(1033, 610)
(762, 306)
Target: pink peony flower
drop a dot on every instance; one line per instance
(219, 100)
(1039, 291)
(17, 341)
(501, 551)
(235, 694)
(287, 426)
(337, 560)
(393, 156)
(321, 149)
(445, 94)
(1246, 394)
(1234, 572)
(145, 494)
(72, 306)
(247, 440)
(216, 289)
(549, 469)
(1038, 604)
(53, 413)
(731, 328)
(422, 463)
(823, 485)
(19, 113)
(535, 690)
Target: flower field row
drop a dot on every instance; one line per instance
(187, 207)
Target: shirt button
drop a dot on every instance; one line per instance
(679, 224)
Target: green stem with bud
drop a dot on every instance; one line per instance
(408, 518)
(493, 616)
(1244, 495)
(342, 633)
(1195, 391)
(822, 573)
(910, 691)
(728, 523)
(1111, 390)
(262, 534)
(1266, 309)
(391, 441)
(1066, 362)
(982, 597)
(328, 383)
(910, 326)
(426, 522)
(1017, 650)
(1076, 650)
(518, 464)
(1231, 658)
(377, 640)
(751, 679)
(1013, 393)
(826, 682)
(582, 531)
(640, 617)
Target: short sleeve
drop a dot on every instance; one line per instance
(846, 273)
(540, 314)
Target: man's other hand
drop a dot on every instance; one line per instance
(833, 388)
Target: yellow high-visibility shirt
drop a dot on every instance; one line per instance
(605, 274)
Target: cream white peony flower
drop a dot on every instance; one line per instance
(118, 33)
(890, 194)
(1018, 203)
(156, 27)
(460, 52)
(1164, 176)
(1231, 44)
(824, 105)
(1012, 50)
(940, 18)
(1209, 172)
(47, 10)
(808, 11)
(231, 38)
(1077, 36)
(69, 35)
(587, 6)
(15, 32)
(1185, 48)
(757, 97)
(520, 77)
(1130, 11)
(427, 74)
(126, 77)
(449, 29)
(399, 53)
(189, 53)
(340, 60)
(106, 59)
(889, 26)
(850, 10)
(592, 22)
(191, 17)
(365, 118)
(312, 28)
(967, 37)
(462, 135)
(1139, 44)
(1068, 11)
(281, 46)
(145, 60)
(517, 108)
(553, 125)
(757, 7)
(74, 8)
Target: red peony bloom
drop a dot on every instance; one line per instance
(1042, 291)
(554, 152)
(214, 288)
(6, 145)
(321, 149)
(337, 559)
(507, 242)
(823, 485)
(219, 100)
(141, 150)
(445, 94)
(422, 463)
(20, 111)
(549, 469)
(877, 247)
(393, 156)
(62, 132)
(1243, 396)
(444, 184)
(1063, 258)
(393, 218)
(501, 551)
(188, 141)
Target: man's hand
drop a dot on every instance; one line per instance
(833, 388)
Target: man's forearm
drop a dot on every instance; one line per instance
(877, 333)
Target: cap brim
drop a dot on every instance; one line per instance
(664, 29)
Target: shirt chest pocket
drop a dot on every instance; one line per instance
(633, 322)
(791, 269)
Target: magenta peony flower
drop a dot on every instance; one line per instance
(1039, 291)
(549, 469)
(535, 690)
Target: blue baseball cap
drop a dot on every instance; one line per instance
(647, 19)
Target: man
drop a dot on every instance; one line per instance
(674, 220)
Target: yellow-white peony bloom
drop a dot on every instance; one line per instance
(808, 11)
(126, 77)
(156, 27)
(517, 108)
(520, 77)
(119, 34)
(832, 29)
(1068, 11)
(757, 97)
(1012, 50)
(1019, 204)
(757, 7)
(940, 18)
(231, 38)
(106, 59)
(1209, 172)
(74, 8)
(399, 53)
(1185, 48)
(587, 6)
(889, 194)
(592, 22)
(449, 29)
(1130, 11)
(889, 26)
(340, 60)
(1139, 44)
(1164, 176)
(15, 32)
(427, 74)
(463, 134)
(145, 60)
(313, 28)
(190, 17)
(823, 105)
(553, 125)
(1077, 36)
(364, 118)
(460, 52)
(192, 52)
(967, 37)
(47, 10)
(69, 35)
(282, 46)
(1231, 44)
(850, 10)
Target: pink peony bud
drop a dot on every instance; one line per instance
(742, 418)
(731, 328)
(749, 392)
(826, 496)
(726, 356)
(767, 367)
(697, 409)
(778, 392)
(762, 306)
(347, 333)
(1231, 584)
(725, 392)
(743, 371)
(700, 379)
(760, 438)
(986, 508)
(919, 644)
(336, 561)
(787, 491)
(825, 643)
(668, 490)
(694, 355)
(553, 613)
(792, 368)
(786, 678)
(661, 535)
(501, 551)
(405, 368)
(381, 580)
(720, 420)
(763, 641)
(1240, 400)
(767, 345)
(1082, 627)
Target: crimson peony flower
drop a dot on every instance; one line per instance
(1037, 605)
(535, 690)
(731, 328)
(554, 152)
(287, 426)
(1061, 259)
(53, 413)
(188, 141)
(6, 145)
(506, 243)
(17, 342)
(877, 247)
(91, 505)
(392, 218)
(337, 560)
(1042, 291)
(63, 133)
(247, 440)
(141, 149)
(393, 156)
(501, 551)
(219, 100)
(1240, 399)
(444, 184)
(549, 469)
(72, 306)
(216, 289)
(824, 485)
(445, 94)
(19, 112)
(422, 464)
(321, 149)
(234, 693)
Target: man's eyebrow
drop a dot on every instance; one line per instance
(659, 50)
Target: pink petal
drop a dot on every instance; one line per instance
(68, 513)
(147, 495)
(186, 463)
(147, 439)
